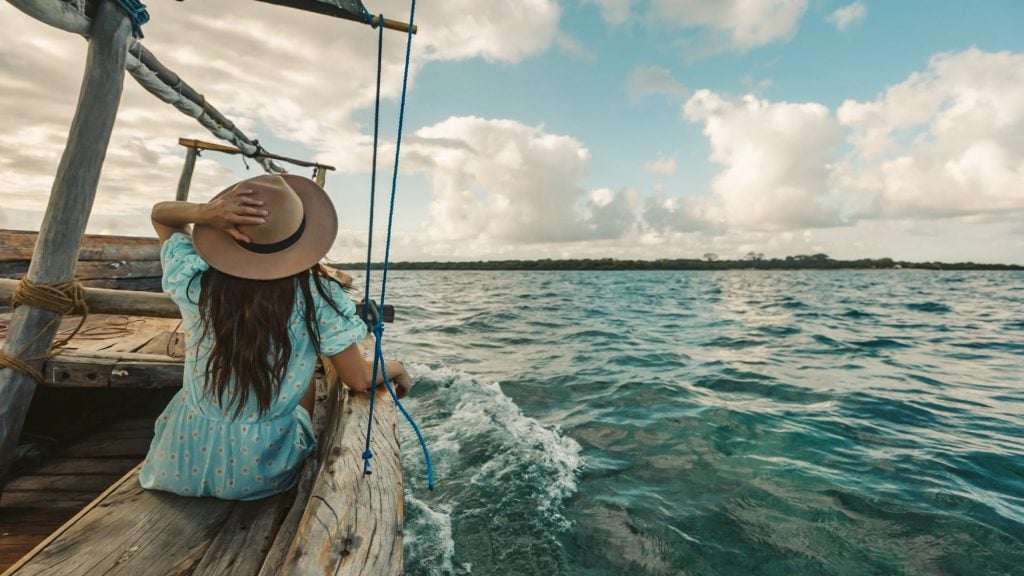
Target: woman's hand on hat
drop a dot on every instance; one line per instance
(234, 209)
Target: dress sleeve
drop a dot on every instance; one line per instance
(338, 331)
(181, 264)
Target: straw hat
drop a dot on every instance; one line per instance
(300, 228)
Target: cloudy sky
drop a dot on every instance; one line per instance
(579, 128)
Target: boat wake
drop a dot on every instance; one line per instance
(502, 478)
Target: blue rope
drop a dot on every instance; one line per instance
(373, 176)
(137, 13)
(378, 327)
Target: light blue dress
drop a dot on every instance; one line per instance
(200, 448)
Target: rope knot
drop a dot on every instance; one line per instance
(65, 298)
(378, 330)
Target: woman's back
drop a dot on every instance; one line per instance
(207, 444)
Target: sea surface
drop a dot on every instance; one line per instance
(714, 423)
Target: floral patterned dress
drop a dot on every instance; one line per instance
(201, 448)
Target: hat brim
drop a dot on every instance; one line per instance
(220, 250)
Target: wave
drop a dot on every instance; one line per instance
(502, 478)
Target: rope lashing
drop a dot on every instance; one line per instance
(378, 327)
(137, 13)
(65, 298)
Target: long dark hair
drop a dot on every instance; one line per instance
(248, 321)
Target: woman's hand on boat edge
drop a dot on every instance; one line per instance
(356, 372)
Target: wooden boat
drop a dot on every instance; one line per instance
(93, 402)
(82, 511)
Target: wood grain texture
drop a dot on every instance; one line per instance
(136, 303)
(19, 245)
(325, 417)
(93, 270)
(352, 524)
(71, 198)
(133, 531)
(185, 181)
(243, 540)
(112, 369)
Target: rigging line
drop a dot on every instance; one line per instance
(373, 173)
(368, 310)
(378, 328)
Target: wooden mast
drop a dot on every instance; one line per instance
(185, 182)
(71, 199)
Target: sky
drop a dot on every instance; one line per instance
(577, 128)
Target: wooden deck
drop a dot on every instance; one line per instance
(109, 351)
(115, 351)
(39, 502)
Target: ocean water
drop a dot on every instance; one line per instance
(714, 423)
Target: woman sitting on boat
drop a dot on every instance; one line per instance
(257, 310)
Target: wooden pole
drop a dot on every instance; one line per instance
(395, 25)
(200, 145)
(186, 175)
(134, 303)
(71, 198)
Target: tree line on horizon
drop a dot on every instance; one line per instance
(710, 261)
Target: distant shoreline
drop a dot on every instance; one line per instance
(815, 262)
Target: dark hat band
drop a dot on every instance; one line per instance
(275, 246)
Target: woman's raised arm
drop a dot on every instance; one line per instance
(226, 212)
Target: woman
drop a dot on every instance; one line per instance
(257, 310)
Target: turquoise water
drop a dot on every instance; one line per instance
(605, 423)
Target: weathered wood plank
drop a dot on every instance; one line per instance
(185, 181)
(19, 244)
(117, 448)
(136, 303)
(102, 369)
(87, 466)
(134, 532)
(132, 424)
(131, 531)
(72, 500)
(244, 539)
(167, 343)
(71, 198)
(63, 483)
(353, 522)
(325, 417)
(132, 342)
(98, 270)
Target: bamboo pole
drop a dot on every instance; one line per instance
(149, 72)
(396, 25)
(191, 144)
(71, 199)
(185, 182)
(329, 9)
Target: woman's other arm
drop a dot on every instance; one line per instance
(356, 372)
(227, 213)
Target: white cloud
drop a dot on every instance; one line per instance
(775, 158)
(613, 11)
(848, 15)
(574, 48)
(500, 181)
(663, 165)
(275, 71)
(647, 81)
(735, 24)
(944, 148)
(946, 141)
